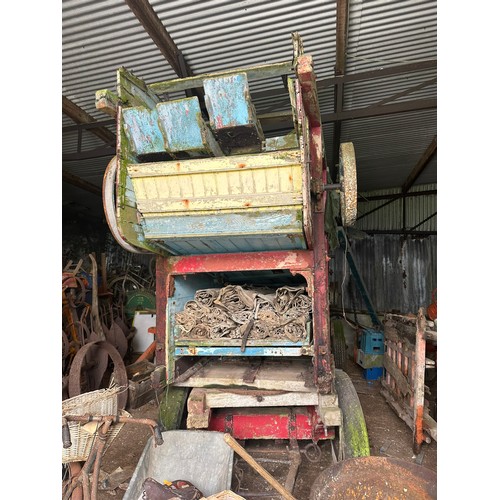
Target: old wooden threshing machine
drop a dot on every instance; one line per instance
(240, 212)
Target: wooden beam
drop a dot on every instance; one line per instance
(149, 19)
(78, 115)
(80, 183)
(253, 73)
(420, 166)
(102, 152)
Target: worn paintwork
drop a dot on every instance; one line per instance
(184, 129)
(127, 216)
(236, 351)
(232, 114)
(143, 131)
(209, 200)
(310, 118)
(270, 423)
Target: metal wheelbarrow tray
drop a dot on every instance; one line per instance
(200, 457)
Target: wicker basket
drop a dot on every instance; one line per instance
(100, 402)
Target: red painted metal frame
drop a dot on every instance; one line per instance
(310, 116)
(300, 423)
(297, 262)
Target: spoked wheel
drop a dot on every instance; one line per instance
(348, 184)
(352, 440)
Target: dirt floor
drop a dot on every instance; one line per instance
(389, 436)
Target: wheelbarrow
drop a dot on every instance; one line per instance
(201, 457)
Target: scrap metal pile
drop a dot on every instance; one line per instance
(238, 312)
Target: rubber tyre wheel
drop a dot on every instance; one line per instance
(355, 438)
(338, 344)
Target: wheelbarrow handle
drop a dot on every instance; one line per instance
(66, 435)
(157, 435)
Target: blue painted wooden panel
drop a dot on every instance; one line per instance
(236, 351)
(183, 127)
(227, 100)
(262, 231)
(142, 130)
(234, 244)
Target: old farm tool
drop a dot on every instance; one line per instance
(240, 209)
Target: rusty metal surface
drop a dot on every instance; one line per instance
(375, 477)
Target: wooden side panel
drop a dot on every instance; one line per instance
(224, 197)
(131, 92)
(184, 129)
(143, 132)
(232, 115)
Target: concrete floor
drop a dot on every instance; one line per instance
(389, 436)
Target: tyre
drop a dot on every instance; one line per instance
(353, 437)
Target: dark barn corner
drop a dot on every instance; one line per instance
(249, 262)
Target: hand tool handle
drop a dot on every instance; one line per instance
(258, 468)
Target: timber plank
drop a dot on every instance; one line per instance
(292, 376)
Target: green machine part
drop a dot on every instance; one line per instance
(139, 300)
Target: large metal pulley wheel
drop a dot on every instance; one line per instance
(109, 204)
(348, 184)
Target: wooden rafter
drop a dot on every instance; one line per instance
(149, 19)
(78, 115)
(81, 183)
(420, 166)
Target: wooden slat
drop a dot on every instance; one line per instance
(253, 73)
(393, 369)
(210, 203)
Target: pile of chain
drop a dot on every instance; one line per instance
(237, 312)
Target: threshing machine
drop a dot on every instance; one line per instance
(240, 211)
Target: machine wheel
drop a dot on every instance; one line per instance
(353, 440)
(338, 344)
(348, 184)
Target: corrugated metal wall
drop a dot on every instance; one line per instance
(399, 273)
(390, 217)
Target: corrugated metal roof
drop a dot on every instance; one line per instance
(98, 36)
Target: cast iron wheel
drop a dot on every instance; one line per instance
(78, 372)
(338, 344)
(353, 437)
(348, 184)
